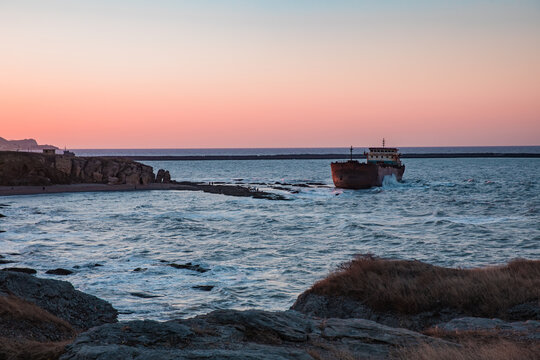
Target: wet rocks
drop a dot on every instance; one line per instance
(203, 287)
(252, 334)
(189, 266)
(2, 261)
(81, 310)
(59, 271)
(20, 270)
(144, 295)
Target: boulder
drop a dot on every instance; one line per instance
(252, 334)
(167, 177)
(159, 176)
(59, 271)
(81, 310)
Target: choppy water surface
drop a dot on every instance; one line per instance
(261, 253)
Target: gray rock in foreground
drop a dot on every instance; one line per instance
(252, 334)
(60, 298)
(529, 329)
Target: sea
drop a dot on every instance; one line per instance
(261, 254)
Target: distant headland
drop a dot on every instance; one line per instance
(25, 144)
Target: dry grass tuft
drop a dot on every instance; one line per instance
(12, 307)
(16, 349)
(30, 332)
(501, 350)
(411, 287)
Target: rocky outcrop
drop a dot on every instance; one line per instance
(252, 334)
(342, 307)
(59, 298)
(163, 176)
(20, 168)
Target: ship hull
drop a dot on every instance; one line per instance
(354, 175)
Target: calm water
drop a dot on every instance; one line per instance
(262, 254)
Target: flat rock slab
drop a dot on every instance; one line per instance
(81, 310)
(252, 334)
(529, 329)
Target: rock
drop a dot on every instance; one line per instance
(345, 308)
(203, 287)
(21, 168)
(139, 269)
(6, 261)
(159, 176)
(252, 334)
(20, 270)
(526, 311)
(21, 320)
(81, 310)
(167, 177)
(59, 271)
(112, 180)
(529, 329)
(189, 266)
(63, 164)
(144, 295)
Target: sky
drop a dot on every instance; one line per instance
(276, 73)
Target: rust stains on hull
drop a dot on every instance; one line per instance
(355, 175)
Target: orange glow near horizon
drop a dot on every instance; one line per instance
(201, 77)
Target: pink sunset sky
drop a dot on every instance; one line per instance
(200, 74)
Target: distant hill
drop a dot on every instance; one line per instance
(25, 144)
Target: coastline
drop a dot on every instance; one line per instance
(230, 190)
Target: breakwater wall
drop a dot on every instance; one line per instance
(324, 156)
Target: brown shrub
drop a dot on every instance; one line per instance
(501, 350)
(411, 287)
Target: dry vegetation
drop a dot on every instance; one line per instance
(412, 287)
(29, 332)
(500, 350)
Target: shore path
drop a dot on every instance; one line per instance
(231, 190)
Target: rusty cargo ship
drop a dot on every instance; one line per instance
(380, 162)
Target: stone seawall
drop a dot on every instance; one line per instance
(21, 168)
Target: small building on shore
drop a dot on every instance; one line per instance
(49, 151)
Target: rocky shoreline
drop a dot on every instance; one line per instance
(48, 319)
(23, 173)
